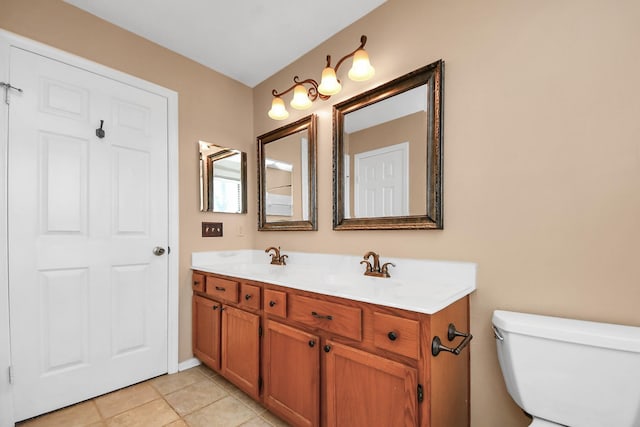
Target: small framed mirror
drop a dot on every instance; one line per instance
(387, 155)
(223, 179)
(287, 177)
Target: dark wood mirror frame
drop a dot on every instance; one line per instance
(432, 76)
(311, 224)
(207, 159)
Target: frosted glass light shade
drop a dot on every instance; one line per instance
(329, 84)
(300, 99)
(361, 69)
(278, 110)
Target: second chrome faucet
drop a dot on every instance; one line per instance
(374, 269)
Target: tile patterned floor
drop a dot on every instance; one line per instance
(197, 397)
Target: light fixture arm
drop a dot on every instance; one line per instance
(363, 41)
(329, 85)
(312, 91)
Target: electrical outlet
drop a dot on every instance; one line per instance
(211, 229)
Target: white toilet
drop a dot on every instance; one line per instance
(570, 372)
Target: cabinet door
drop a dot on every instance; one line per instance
(368, 390)
(206, 331)
(292, 374)
(241, 349)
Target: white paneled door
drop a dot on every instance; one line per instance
(88, 296)
(382, 182)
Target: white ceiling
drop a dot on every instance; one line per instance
(247, 40)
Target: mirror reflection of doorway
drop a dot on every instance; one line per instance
(382, 182)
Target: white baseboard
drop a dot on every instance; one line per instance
(188, 364)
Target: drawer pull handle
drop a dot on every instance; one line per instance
(312, 343)
(327, 348)
(272, 303)
(392, 336)
(248, 297)
(196, 283)
(321, 316)
(220, 288)
(215, 307)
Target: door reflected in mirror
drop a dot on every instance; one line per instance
(387, 163)
(286, 169)
(223, 179)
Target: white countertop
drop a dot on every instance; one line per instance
(424, 286)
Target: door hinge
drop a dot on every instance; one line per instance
(260, 331)
(420, 393)
(259, 383)
(10, 374)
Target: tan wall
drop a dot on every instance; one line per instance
(212, 108)
(541, 158)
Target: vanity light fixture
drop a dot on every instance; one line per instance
(303, 96)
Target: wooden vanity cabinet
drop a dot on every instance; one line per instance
(328, 361)
(363, 389)
(206, 328)
(226, 337)
(292, 373)
(240, 361)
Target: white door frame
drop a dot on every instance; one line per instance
(8, 40)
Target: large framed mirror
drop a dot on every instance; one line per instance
(387, 155)
(223, 179)
(287, 177)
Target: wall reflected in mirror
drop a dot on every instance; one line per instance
(223, 179)
(286, 177)
(387, 155)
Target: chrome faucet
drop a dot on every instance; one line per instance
(375, 270)
(276, 258)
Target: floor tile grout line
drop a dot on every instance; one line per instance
(229, 388)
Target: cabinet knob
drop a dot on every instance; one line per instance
(312, 343)
(196, 283)
(248, 297)
(215, 307)
(327, 348)
(272, 303)
(392, 336)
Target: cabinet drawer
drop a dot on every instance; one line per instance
(224, 289)
(329, 316)
(250, 296)
(197, 280)
(275, 302)
(396, 334)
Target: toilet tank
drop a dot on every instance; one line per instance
(571, 372)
